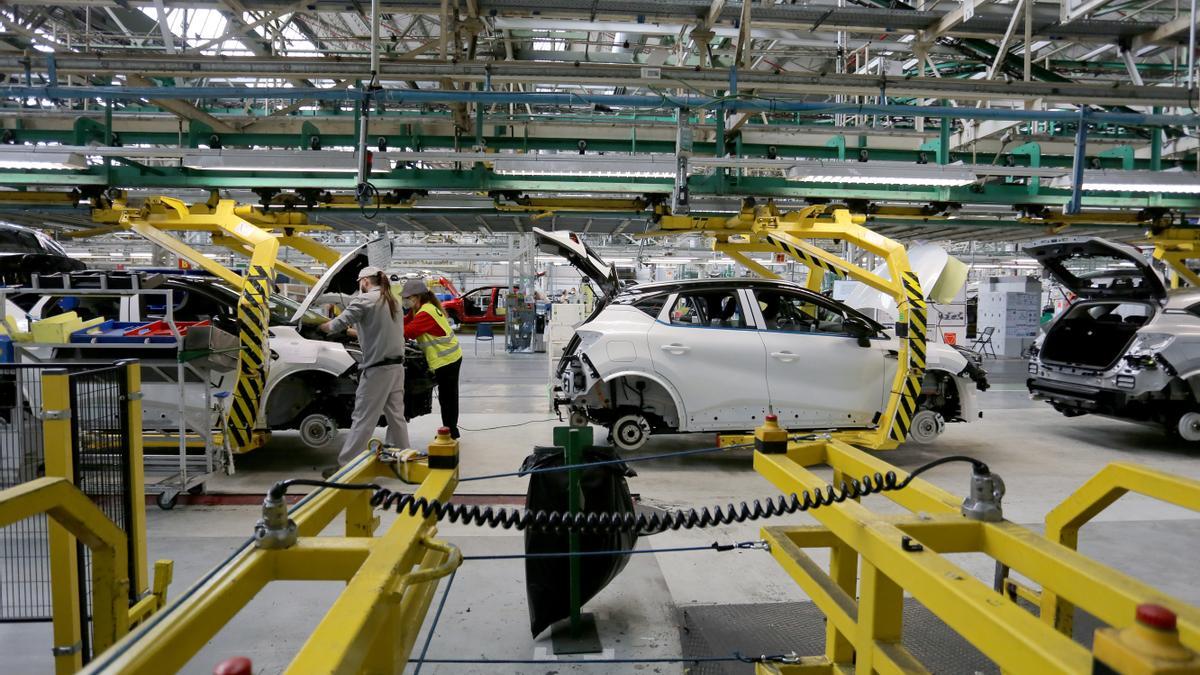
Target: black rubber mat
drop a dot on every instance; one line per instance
(778, 628)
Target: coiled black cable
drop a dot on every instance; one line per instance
(689, 519)
(658, 522)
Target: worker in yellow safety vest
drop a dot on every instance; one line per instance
(427, 324)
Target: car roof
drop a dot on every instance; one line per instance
(707, 284)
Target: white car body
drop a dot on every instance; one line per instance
(638, 367)
(310, 382)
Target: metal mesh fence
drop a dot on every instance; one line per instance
(24, 548)
(100, 457)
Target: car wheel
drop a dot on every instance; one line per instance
(629, 432)
(1187, 427)
(317, 430)
(927, 425)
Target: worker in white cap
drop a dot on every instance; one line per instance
(427, 324)
(377, 318)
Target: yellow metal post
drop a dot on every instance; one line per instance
(137, 514)
(64, 561)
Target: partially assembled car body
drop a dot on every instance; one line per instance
(719, 355)
(1127, 347)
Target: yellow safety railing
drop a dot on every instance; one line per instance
(1092, 498)
(877, 559)
(371, 627)
(55, 494)
(76, 517)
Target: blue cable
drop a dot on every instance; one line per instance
(580, 554)
(433, 626)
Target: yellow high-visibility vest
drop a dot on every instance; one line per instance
(439, 350)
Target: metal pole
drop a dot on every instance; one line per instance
(1191, 74)
(1072, 206)
(365, 109)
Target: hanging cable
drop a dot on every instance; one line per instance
(758, 509)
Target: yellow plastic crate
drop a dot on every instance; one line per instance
(59, 328)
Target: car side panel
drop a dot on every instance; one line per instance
(719, 372)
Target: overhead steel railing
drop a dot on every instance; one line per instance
(1070, 94)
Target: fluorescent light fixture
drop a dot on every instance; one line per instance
(1106, 180)
(25, 157)
(624, 167)
(295, 161)
(882, 173)
(669, 260)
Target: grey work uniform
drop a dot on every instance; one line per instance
(380, 387)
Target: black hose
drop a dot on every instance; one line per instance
(279, 489)
(728, 514)
(640, 522)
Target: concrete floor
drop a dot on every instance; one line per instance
(1040, 454)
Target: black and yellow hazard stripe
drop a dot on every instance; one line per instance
(804, 256)
(917, 322)
(252, 319)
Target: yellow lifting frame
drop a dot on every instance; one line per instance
(764, 228)
(1097, 494)
(904, 554)
(160, 215)
(1175, 246)
(229, 219)
(372, 625)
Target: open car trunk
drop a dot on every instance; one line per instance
(1094, 335)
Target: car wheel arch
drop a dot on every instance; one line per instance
(676, 400)
(309, 378)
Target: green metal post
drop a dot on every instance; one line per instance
(573, 440)
(1156, 144)
(943, 154)
(108, 137)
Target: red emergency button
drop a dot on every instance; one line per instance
(1156, 616)
(772, 418)
(238, 665)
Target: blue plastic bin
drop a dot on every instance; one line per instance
(113, 331)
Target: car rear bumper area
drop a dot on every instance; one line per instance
(1083, 397)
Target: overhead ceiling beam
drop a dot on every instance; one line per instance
(182, 108)
(1166, 32)
(604, 75)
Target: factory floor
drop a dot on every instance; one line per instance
(1041, 455)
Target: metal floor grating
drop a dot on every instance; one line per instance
(782, 627)
(775, 628)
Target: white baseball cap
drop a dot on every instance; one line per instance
(368, 271)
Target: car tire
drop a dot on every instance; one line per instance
(629, 432)
(1187, 427)
(317, 430)
(927, 425)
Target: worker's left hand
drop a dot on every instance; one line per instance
(326, 327)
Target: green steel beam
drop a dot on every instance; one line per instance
(87, 131)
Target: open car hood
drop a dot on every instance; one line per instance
(941, 276)
(568, 245)
(340, 279)
(1091, 267)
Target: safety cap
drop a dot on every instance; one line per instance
(414, 287)
(368, 271)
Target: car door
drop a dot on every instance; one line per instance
(708, 349)
(817, 373)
